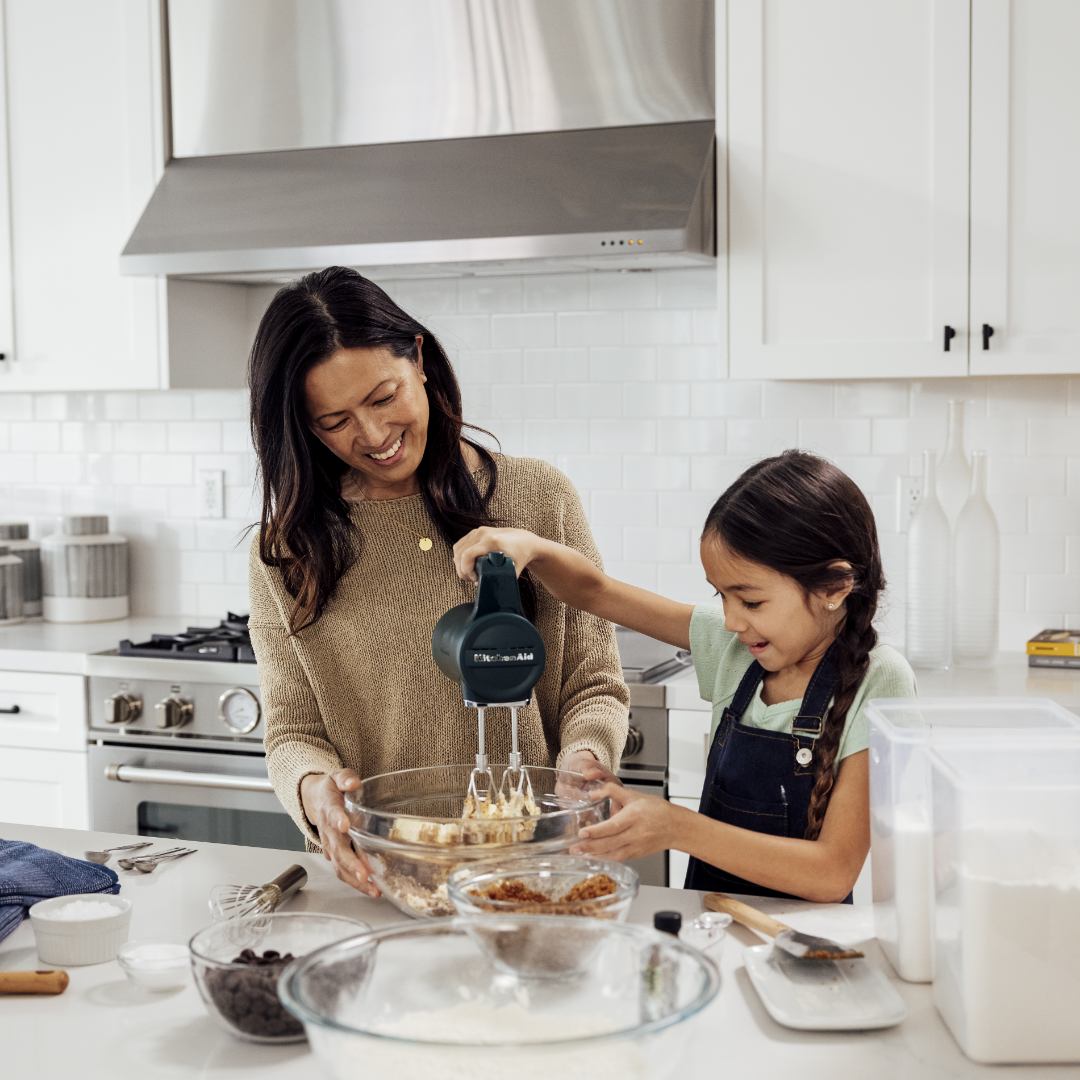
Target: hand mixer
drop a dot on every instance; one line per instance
(497, 656)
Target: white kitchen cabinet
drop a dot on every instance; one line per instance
(848, 175)
(688, 751)
(1025, 175)
(85, 151)
(678, 861)
(44, 787)
(40, 711)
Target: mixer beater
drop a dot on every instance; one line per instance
(497, 656)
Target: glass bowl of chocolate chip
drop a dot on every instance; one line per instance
(238, 963)
(556, 885)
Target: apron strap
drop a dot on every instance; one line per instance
(744, 694)
(808, 725)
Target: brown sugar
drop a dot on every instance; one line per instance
(591, 888)
(517, 892)
(512, 892)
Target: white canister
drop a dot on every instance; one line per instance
(16, 534)
(11, 588)
(84, 571)
(78, 942)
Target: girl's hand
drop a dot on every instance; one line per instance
(640, 826)
(322, 795)
(517, 544)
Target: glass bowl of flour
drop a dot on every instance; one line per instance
(424, 999)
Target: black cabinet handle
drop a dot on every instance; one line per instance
(987, 333)
(950, 333)
(13, 709)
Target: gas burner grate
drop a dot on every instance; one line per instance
(229, 641)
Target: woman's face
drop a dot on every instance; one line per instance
(370, 408)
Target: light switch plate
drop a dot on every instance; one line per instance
(210, 492)
(908, 493)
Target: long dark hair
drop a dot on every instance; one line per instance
(306, 529)
(799, 515)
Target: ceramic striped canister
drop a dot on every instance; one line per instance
(84, 571)
(11, 587)
(16, 534)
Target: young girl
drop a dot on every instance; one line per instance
(788, 663)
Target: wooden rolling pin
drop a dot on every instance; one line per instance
(33, 982)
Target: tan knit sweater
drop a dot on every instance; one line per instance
(360, 688)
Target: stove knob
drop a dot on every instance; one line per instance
(635, 742)
(173, 712)
(122, 709)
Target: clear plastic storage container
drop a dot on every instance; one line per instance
(900, 811)
(1007, 898)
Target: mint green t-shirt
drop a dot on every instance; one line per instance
(721, 660)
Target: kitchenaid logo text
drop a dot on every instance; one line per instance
(502, 657)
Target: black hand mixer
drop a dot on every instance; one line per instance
(497, 656)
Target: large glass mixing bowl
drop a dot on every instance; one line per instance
(409, 825)
(420, 1000)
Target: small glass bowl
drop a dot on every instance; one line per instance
(156, 965)
(552, 877)
(243, 998)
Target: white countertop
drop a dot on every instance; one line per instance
(104, 1028)
(1010, 677)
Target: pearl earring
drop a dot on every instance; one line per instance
(830, 607)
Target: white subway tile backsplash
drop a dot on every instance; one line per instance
(528, 330)
(523, 402)
(622, 436)
(725, 399)
(656, 399)
(617, 379)
(557, 365)
(589, 399)
(691, 436)
(633, 363)
(627, 291)
(834, 437)
(194, 437)
(804, 400)
(34, 437)
(659, 327)
(556, 292)
(656, 472)
(588, 328)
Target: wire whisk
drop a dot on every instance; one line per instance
(228, 902)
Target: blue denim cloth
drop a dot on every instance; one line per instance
(29, 874)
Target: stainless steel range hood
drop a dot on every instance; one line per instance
(518, 135)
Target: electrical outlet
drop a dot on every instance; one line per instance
(211, 493)
(908, 494)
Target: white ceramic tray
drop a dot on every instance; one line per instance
(823, 995)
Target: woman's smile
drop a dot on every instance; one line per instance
(392, 455)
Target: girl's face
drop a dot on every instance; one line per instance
(369, 407)
(773, 617)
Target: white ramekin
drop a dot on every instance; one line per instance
(78, 942)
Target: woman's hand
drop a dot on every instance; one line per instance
(517, 544)
(641, 825)
(324, 804)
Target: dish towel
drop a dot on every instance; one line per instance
(29, 873)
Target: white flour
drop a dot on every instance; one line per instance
(902, 918)
(1008, 980)
(472, 1023)
(78, 910)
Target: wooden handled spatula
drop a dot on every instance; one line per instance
(803, 946)
(33, 982)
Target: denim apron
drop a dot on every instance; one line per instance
(762, 780)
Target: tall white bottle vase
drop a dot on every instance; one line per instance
(929, 565)
(976, 575)
(954, 469)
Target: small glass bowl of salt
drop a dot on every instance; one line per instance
(156, 965)
(71, 931)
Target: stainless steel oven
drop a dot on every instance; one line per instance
(176, 751)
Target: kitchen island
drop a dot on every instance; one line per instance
(105, 1028)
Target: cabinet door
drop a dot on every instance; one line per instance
(1025, 176)
(40, 711)
(85, 151)
(848, 178)
(688, 752)
(44, 787)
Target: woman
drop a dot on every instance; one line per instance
(367, 484)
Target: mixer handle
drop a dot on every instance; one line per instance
(498, 588)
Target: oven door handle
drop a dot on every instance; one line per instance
(136, 774)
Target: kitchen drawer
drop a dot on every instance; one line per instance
(52, 711)
(679, 860)
(44, 787)
(688, 750)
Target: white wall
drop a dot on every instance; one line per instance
(614, 378)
